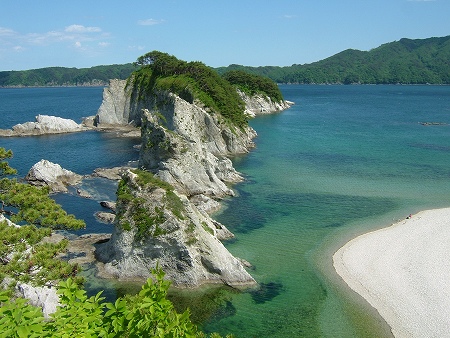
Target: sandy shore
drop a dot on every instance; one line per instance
(404, 272)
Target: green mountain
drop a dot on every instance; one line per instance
(406, 61)
(61, 76)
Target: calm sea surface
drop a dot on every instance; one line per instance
(342, 161)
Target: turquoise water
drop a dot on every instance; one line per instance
(342, 161)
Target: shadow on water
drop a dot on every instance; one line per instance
(312, 210)
(266, 292)
(209, 303)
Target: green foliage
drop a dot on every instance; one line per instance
(22, 256)
(24, 259)
(173, 202)
(5, 169)
(135, 213)
(35, 206)
(60, 76)
(19, 319)
(207, 228)
(191, 81)
(406, 61)
(148, 314)
(254, 84)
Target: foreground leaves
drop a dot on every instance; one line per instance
(148, 314)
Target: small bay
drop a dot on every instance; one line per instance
(342, 161)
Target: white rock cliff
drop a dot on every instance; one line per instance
(187, 147)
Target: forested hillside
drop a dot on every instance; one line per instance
(194, 81)
(61, 76)
(406, 61)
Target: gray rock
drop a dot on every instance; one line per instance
(46, 173)
(114, 108)
(105, 217)
(184, 242)
(44, 297)
(188, 147)
(44, 124)
(110, 173)
(262, 105)
(109, 205)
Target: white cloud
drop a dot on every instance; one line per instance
(81, 29)
(136, 48)
(89, 41)
(150, 22)
(6, 32)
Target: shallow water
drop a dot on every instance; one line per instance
(343, 160)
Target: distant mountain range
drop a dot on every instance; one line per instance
(61, 76)
(407, 61)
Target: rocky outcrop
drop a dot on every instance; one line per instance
(262, 105)
(44, 297)
(187, 148)
(46, 173)
(44, 124)
(115, 107)
(157, 226)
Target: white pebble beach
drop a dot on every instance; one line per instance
(403, 271)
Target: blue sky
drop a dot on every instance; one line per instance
(36, 34)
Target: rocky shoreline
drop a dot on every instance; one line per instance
(182, 145)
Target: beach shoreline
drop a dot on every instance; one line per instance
(403, 272)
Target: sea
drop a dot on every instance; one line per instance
(342, 161)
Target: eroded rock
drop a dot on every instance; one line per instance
(46, 173)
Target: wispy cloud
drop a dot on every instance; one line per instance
(421, 0)
(6, 32)
(69, 33)
(150, 22)
(289, 16)
(81, 29)
(138, 48)
(78, 37)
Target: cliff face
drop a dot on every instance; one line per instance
(157, 225)
(187, 147)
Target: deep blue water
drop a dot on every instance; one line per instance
(79, 152)
(343, 160)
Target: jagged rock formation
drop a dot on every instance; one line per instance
(168, 224)
(261, 105)
(156, 225)
(44, 124)
(115, 109)
(46, 173)
(41, 296)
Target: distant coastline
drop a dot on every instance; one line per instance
(407, 61)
